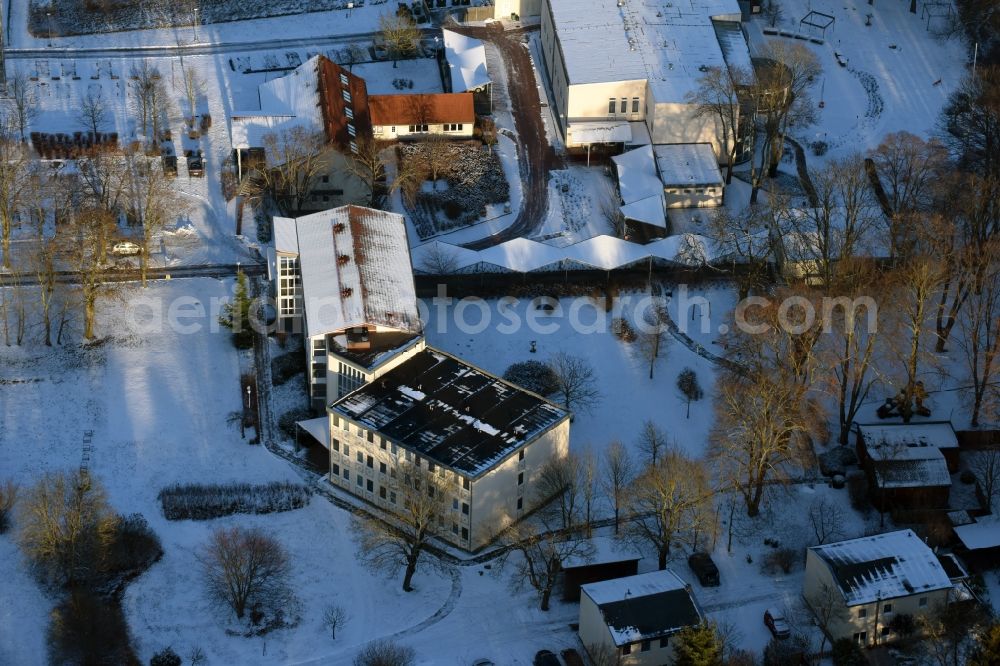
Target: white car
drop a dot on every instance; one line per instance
(125, 249)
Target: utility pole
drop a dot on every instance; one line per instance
(3, 53)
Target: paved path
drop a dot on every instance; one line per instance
(132, 274)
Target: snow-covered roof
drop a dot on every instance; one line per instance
(286, 238)
(413, 75)
(355, 267)
(606, 550)
(637, 178)
(607, 252)
(665, 43)
(688, 165)
(467, 61)
(648, 211)
(450, 412)
(645, 606)
(939, 434)
(318, 429)
(521, 255)
(285, 102)
(883, 566)
(437, 256)
(984, 533)
(599, 131)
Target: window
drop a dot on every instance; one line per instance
(465, 483)
(644, 646)
(347, 450)
(465, 534)
(520, 478)
(627, 649)
(520, 454)
(336, 444)
(361, 480)
(611, 110)
(336, 469)
(343, 78)
(465, 508)
(326, 179)
(520, 503)
(392, 497)
(635, 105)
(354, 147)
(624, 105)
(370, 486)
(454, 504)
(360, 457)
(862, 613)
(861, 638)
(349, 113)
(347, 96)
(371, 436)
(887, 609)
(347, 474)
(922, 602)
(663, 642)
(381, 492)
(336, 419)
(370, 462)
(430, 467)
(885, 631)
(382, 443)
(454, 528)
(351, 130)
(381, 468)
(392, 129)
(430, 490)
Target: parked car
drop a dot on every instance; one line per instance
(125, 249)
(482, 662)
(704, 568)
(545, 658)
(775, 621)
(572, 657)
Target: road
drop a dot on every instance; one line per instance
(131, 274)
(533, 145)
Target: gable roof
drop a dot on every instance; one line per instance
(355, 267)
(909, 455)
(883, 566)
(650, 605)
(939, 434)
(467, 61)
(450, 412)
(421, 109)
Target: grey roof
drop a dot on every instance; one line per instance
(883, 566)
(688, 165)
(450, 412)
(650, 605)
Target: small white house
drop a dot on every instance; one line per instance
(402, 116)
(690, 175)
(870, 581)
(635, 617)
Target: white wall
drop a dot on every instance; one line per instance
(523, 8)
(693, 197)
(400, 131)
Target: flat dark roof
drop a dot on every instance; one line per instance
(450, 412)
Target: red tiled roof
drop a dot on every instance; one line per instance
(421, 109)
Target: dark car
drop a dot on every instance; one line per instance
(572, 657)
(704, 568)
(775, 621)
(545, 658)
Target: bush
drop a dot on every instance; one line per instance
(287, 366)
(857, 489)
(286, 422)
(788, 651)
(819, 148)
(622, 330)
(133, 548)
(903, 625)
(385, 653)
(848, 653)
(165, 657)
(85, 629)
(967, 477)
(782, 559)
(534, 376)
(201, 502)
(8, 497)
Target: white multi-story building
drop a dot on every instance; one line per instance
(485, 439)
(622, 70)
(343, 279)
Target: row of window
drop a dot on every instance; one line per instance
(886, 608)
(643, 646)
(696, 190)
(622, 105)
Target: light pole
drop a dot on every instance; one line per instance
(196, 25)
(48, 16)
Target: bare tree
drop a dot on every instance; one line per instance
(334, 617)
(610, 203)
(619, 471)
(560, 489)
(652, 331)
(652, 442)
(245, 569)
(980, 342)
(970, 121)
(144, 92)
(589, 483)
(950, 631)
(24, 101)
(439, 259)
(8, 498)
(385, 653)
(193, 86)
(575, 381)
(91, 229)
(437, 156)
(827, 520)
(400, 35)
(14, 180)
(296, 158)
(153, 202)
(402, 540)
(827, 606)
(985, 466)
(543, 548)
(745, 240)
(63, 521)
(94, 112)
(717, 99)
(368, 166)
(669, 503)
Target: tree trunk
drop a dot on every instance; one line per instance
(411, 568)
(754, 499)
(88, 318)
(546, 595)
(661, 557)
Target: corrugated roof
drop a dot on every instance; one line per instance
(883, 566)
(421, 109)
(450, 412)
(939, 434)
(355, 267)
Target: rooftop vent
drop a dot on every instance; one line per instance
(339, 228)
(343, 259)
(346, 292)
